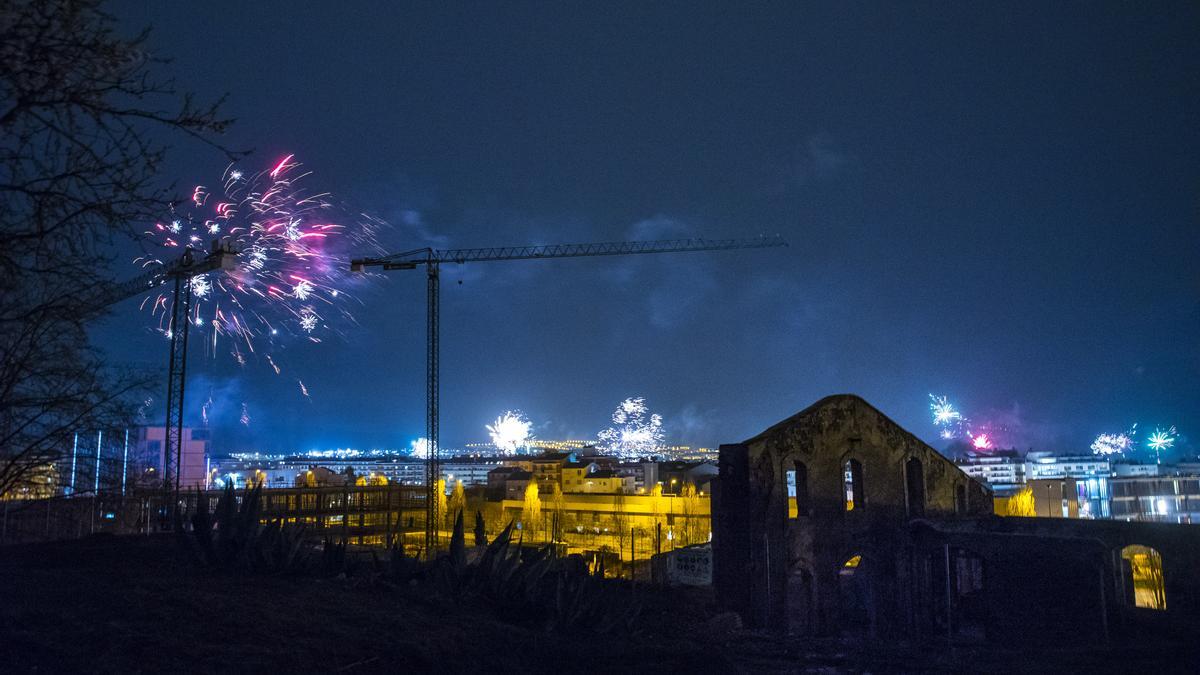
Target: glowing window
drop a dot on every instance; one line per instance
(850, 566)
(1144, 576)
(854, 485)
(801, 477)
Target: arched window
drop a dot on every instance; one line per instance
(855, 495)
(1143, 571)
(914, 487)
(801, 489)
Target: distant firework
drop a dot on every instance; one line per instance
(1114, 444)
(419, 448)
(510, 432)
(948, 420)
(635, 433)
(288, 278)
(1162, 439)
(943, 412)
(981, 442)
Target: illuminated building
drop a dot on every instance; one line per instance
(547, 469)
(1003, 470)
(401, 470)
(146, 450)
(1164, 499)
(1045, 465)
(606, 481)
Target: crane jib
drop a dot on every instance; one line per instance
(432, 259)
(411, 259)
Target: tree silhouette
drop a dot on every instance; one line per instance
(83, 127)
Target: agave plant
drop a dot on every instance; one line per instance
(528, 585)
(233, 537)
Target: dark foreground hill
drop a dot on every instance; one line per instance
(111, 604)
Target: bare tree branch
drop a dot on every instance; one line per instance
(84, 115)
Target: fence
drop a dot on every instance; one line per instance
(362, 514)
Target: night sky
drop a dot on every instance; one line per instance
(992, 201)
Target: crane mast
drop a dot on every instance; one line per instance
(221, 256)
(432, 259)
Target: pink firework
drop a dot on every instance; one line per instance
(981, 442)
(289, 279)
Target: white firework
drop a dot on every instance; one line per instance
(1112, 444)
(292, 230)
(944, 414)
(634, 433)
(176, 226)
(200, 286)
(511, 432)
(214, 227)
(257, 258)
(302, 290)
(235, 174)
(308, 321)
(420, 448)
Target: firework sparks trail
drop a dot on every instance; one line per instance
(510, 432)
(634, 433)
(288, 278)
(303, 389)
(205, 408)
(144, 408)
(245, 418)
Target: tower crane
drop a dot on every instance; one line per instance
(432, 259)
(221, 256)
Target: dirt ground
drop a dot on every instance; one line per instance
(110, 604)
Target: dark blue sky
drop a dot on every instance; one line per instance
(997, 202)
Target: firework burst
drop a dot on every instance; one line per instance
(634, 433)
(287, 281)
(946, 418)
(510, 432)
(1115, 444)
(1162, 439)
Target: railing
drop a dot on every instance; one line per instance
(360, 514)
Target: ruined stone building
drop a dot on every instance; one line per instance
(883, 537)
